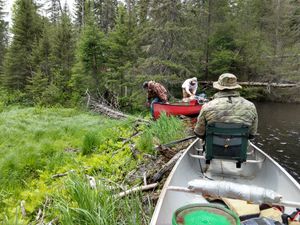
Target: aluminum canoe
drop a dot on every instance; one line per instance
(259, 170)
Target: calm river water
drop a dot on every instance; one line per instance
(279, 134)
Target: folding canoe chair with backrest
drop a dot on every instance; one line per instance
(226, 141)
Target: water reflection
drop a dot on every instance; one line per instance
(279, 129)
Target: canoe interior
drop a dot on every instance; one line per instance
(264, 173)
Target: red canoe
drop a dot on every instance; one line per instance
(190, 109)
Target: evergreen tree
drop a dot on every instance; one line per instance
(26, 31)
(83, 10)
(63, 54)
(122, 48)
(79, 12)
(3, 35)
(143, 7)
(54, 10)
(105, 13)
(165, 39)
(91, 60)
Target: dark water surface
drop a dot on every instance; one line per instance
(279, 134)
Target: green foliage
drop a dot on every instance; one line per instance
(36, 143)
(3, 36)
(91, 56)
(26, 30)
(90, 143)
(162, 131)
(97, 206)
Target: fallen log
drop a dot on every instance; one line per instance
(141, 188)
(168, 166)
(109, 110)
(266, 84)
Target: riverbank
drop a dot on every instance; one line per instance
(62, 165)
(272, 94)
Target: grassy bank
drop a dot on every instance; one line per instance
(37, 143)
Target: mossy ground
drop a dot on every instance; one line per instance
(36, 143)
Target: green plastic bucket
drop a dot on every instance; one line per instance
(204, 214)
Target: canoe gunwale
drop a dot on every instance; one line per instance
(160, 209)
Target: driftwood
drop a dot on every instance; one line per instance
(41, 213)
(266, 84)
(141, 188)
(133, 150)
(62, 174)
(107, 109)
(168, 166)
(22, 205)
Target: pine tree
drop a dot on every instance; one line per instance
(105, 13)
(143, 7)
(3, 35)
(83, 10)
(79, 12)
(54, 10)
(63, 52)
(26, 31)
(91, 60)
(122, 48)
(165, 39)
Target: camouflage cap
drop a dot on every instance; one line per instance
(226, 81)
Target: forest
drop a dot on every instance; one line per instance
(53, 56)
(110, 47)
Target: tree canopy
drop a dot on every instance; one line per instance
(112, 47)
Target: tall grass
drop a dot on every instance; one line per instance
(36, 143)
(98, 206)
(162, 131)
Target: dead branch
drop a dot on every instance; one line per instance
(92, 182)
(178, 141)
(62, 174)
(104, 107)
(165, 151)
(141, 188)
(38, 215)
(135, 134)
(168, 166)
(250, 83)
(145, 177)
(133, 150)
(54, 221)
(22, 205)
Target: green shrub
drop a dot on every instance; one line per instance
(83, 205)
(90, 143)
(162, 131)
(145, 142)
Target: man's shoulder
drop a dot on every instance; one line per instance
(211, 104)
(247, 102)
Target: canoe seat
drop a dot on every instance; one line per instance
(226, 141)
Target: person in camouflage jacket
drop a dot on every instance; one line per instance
(227, 106)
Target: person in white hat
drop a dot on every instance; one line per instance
(227, 106)
(189, 88)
